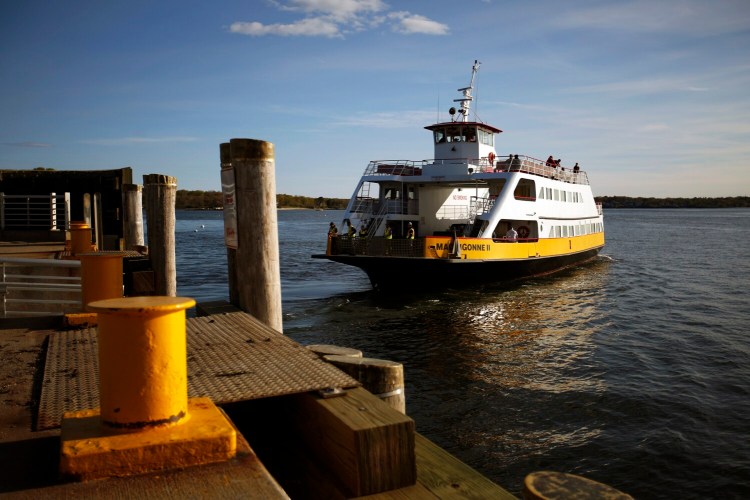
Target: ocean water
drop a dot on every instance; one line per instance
(633, 370)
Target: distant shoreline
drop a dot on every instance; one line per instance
(211, 200)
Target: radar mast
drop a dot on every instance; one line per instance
(467, 97)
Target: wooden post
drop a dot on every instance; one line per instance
(385, 379)
(234, 298)
(161, 192)
(132, 201)
(257, 263)
(323, 350)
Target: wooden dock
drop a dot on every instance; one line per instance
(294, 441)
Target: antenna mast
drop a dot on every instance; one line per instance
(466, 91)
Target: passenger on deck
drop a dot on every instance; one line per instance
(333, 230)
(351, 231)
(516, 163)
(550, 161)
(512, 234)
(576, 168)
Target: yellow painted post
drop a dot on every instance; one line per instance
(142, 360)
(101, 276)
(80, 238)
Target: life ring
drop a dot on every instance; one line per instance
(491, 158)
(523, 232)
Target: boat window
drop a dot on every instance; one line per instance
(471, 135)
(455, 134)
(439, 136)
(549, 193)
(557, 195)
(541, 193)
(525, 190)
(486, 137)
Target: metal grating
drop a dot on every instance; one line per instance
(231, 357)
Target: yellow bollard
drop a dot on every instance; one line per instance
(101, 276)
(142, 360)
(80, 237)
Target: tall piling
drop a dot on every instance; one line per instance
(132, 201)
(256, 266)
(160, 193)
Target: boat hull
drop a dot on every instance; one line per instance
(388, 272)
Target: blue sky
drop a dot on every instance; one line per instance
(651, 98)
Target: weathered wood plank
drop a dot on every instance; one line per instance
(365, 443)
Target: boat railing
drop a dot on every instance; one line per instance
(395, 167)
(511, 163)
(534, 166)
(376, 247)
(452, 212)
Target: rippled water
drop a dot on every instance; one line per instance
(633, 370)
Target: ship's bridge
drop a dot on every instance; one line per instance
(457, 140)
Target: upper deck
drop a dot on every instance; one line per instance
(476, 168)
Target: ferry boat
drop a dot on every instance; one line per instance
(470, 215)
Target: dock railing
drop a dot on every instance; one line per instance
(39, 287)
(32, 211)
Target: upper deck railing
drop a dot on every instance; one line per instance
(525, 164)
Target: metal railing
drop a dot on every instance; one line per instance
(32, 211)
(376, 247)
(39, 287)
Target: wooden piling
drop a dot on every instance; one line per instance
(132, 200)
(385, 379)
(256, 268)
(161, 192)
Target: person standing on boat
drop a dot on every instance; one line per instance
(410, 236)
(512, 234)
(351, 232)
(388, 233)
(332, 230)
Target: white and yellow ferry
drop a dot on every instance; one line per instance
(448, 221)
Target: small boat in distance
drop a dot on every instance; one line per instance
(468, 216)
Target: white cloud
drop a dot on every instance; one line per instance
(413, 23)
(119, 141)
(28, 144)
(335, 18)
(305, 27)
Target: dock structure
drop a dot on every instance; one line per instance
(293, 440)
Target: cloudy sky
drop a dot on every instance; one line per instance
(651, 98)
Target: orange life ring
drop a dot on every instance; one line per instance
(491, 158)
(523, 232)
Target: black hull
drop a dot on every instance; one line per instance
(417, 272)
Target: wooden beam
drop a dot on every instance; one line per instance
(362, 441)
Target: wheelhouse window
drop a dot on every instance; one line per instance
(485, 137)
(525, 190)
(439, 136)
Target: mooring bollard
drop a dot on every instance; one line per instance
(145, 421)
(551, 485)
(80, 238)
(142, 360)
(101, 276)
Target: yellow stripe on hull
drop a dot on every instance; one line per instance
(441, 247)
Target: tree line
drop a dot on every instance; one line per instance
(638, 202)
(212, 200)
